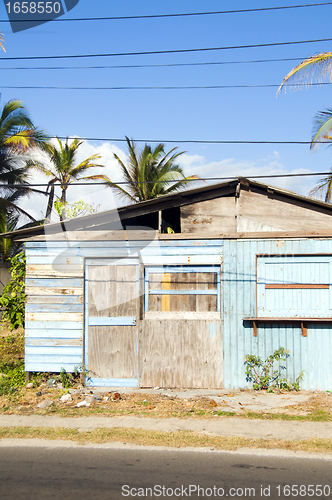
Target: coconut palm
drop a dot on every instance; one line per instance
(18, 136)
(64, 170)
(316, 68)
(150, 173)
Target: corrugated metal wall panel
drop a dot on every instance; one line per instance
(311, 354)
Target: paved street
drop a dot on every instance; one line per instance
(80, 473)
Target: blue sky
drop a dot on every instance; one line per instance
(202, 114)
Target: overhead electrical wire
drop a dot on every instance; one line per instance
(174, 87)
(184, 141)
(105, 183)
(170, 51)
(138, 66)
(181, 14)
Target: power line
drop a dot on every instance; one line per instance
(188, 87)
(183, 14)
(184, 141)
(137, 66)
(179, 141)
(171, 51)
(267, 176)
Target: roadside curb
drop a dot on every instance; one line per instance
(53, 444)
(221, 426)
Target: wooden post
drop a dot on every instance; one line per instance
(304, 329)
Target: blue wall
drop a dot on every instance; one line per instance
(54, 328)
(311, 354)
(55, 334)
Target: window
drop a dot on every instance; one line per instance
(294, 286)
(182, 289)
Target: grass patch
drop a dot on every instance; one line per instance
(176, 439)
(314, 416)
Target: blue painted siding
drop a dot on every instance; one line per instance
(311, 270)
(56, 341)
(311, 354)
(61, 336)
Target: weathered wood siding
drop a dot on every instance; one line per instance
(251, 212)
(112, 307)
(212, 216)
(54, 309)
(311, 354)
(181, 353)
(181, 330)
(55, 313)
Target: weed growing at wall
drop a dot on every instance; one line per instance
(265, 374)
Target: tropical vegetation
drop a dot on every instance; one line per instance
(18, 135)
(150, 173)
(316, 68)
(63, 169)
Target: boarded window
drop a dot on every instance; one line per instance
(182, 288)
(294, 286)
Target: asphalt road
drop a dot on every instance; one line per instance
(80, 473)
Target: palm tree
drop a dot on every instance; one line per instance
(316, 68)
(63, 169)
(150, 173)
(18, 136)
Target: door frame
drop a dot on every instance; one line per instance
(128, 321)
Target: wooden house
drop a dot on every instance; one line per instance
(174, 292)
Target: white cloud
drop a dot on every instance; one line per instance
(231, 167)
(192, 164)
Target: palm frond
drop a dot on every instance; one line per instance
(97, 177)
(15, 208)
(85, 165)
(317, 68)
(150, 172)
(122, 192)
(322, 128)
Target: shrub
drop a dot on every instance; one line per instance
(264, 375)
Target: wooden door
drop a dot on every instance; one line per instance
(111, 322)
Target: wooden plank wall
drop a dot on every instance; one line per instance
(181, 353)
(251, 212)
(55, 309)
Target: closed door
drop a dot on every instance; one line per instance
(111, 343)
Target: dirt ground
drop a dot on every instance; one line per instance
(164, 403)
